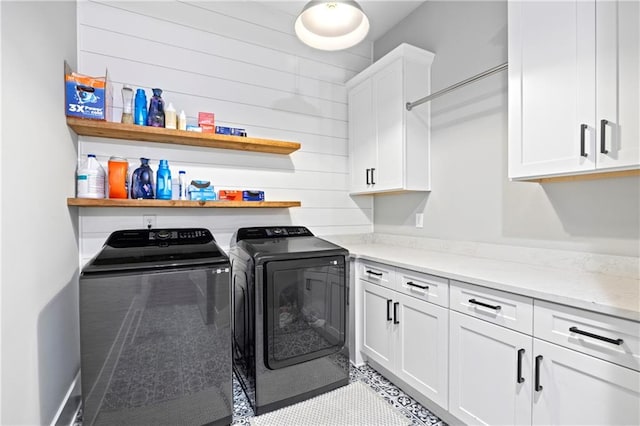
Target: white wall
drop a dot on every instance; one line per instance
(39, 240)
(471, 197)
(242, 61)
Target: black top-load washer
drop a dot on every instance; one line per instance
(289, 315)
(155, 330)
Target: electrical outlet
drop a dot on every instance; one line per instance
(419, 220)
(149, 221)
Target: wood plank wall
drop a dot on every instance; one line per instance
(242, 61)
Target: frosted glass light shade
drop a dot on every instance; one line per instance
(332, 25)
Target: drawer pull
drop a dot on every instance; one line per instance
(379, 274)
(520, 379)
(389, 309)
(595, 336)
(538, 386)
(395, 313)
(475, 302)
(412, 284)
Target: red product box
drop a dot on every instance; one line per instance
(207, 118)
(230, 195)
(207, 128)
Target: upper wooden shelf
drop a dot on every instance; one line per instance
(113, 202)
(107, 129)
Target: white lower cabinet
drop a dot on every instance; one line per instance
(422, 356)
(490, 373)
(573, 388)
(409, 337)
(492, 357)
(378, 338)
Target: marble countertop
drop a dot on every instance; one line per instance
(608, 294)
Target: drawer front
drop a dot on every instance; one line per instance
(378, 273)
(612, 339)
(423, 286)
(499, 307)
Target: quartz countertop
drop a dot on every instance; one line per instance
(600, 292)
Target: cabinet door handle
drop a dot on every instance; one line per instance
(368, 183)
(603, 139)
(583, 130)
(486, 305)
(389, 309)
(395, 313)
(412, 284)
(368, 271)
(520, 379)
(537, 385)
(595, 336)
(372, 181)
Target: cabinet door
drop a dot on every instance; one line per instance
(484, 366)
(583, 390)
(618, 83)
(551, 87)
(422, 359)
(389, 113)
(378, 324)
(362, 137)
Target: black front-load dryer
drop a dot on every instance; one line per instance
(289, 315)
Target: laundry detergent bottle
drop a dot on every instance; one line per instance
(163, 184)
(90, 179)
(142, 181)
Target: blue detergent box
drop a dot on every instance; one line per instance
(231, 131)
(201, 190)
(87, 97)
(252, 195)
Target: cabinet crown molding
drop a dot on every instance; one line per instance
(403, 50)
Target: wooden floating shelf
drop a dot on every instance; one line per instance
(113, 202)
(107, 129)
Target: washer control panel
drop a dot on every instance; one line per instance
(159, 237)
(178, 234)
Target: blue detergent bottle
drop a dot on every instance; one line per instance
(163, 182)
(142, 181)
(140, 108)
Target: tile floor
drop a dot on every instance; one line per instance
(409, 407)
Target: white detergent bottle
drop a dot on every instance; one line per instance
(170, 120)
(90, 179)
(182, 121)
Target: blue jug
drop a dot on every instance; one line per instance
(140, 108)
(163, 184)
(142, 181)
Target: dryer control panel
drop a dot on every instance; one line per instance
(264, 232)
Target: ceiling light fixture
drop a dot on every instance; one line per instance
(332, 25)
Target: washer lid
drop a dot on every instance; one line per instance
(156, 249)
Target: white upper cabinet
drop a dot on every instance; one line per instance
(573, 87)
(362, 139)
(388, 145)
(618, 83)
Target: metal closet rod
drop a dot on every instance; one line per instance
(476, 77)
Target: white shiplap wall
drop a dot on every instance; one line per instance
(242, 61)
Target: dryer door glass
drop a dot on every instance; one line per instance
(305, 308)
